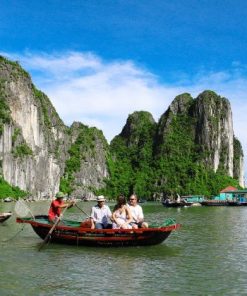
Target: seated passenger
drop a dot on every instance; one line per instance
(121, 214)
(137, 213)
(100, 214)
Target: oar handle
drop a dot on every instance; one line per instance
(82, 210)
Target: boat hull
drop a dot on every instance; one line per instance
(177, 204)
(4, 216)
(81, 236)
(211, 203)
(236, 203)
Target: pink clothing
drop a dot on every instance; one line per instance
(120, 220)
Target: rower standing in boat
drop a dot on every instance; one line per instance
(137, 213)
(100, 215)
(178, 199)
(57, 205)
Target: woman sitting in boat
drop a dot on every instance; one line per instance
(56, 206)
(121, 214)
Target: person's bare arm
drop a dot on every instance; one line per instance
(92, 223)
(92, 219)
(128, 214)
(67, 204)
(114, 217)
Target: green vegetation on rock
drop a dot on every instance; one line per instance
(17, 132)
(165, 159)
(83, 149)
(16, 70)
(6, 190)
(43, 99)
(238, 154)
(131, 157)
(22, 150)
(4, 108)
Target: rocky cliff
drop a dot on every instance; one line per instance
(210, 129)
(35, 143)
(193, 148)
(86, 166)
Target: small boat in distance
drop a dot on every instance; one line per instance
(142, 200)
(8, 199)
(236, 203)
(80, 233)
(214, 202)
(176, 204)
(5, 216)
(194, 199)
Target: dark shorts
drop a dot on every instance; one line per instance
(103, 226)
(139, 224)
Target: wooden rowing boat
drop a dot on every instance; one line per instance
(235, 203)
(175, 204)
(79, 233)
(214, 202)
(5, 216)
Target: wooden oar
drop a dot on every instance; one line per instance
(82, 210)
(53, 227)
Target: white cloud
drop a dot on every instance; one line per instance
(83, 87)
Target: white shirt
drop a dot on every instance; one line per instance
(136, 212)
(101, 215)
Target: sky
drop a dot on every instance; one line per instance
(101, 60)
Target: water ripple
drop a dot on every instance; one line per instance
(206, 257)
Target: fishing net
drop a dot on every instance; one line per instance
(21, 209)
(167, 222)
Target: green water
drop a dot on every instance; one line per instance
(205, 257)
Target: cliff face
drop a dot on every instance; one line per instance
(34, 142)
(27, 144)
(238, 162)
(208, 125)
(192, 149)
(86, 166)
(214, 131)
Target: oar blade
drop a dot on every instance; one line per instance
(49, 234)
(45, 241)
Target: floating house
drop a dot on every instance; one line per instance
(231, 193)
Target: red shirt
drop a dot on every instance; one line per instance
(55, 210)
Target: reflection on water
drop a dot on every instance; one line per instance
(205, 257)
